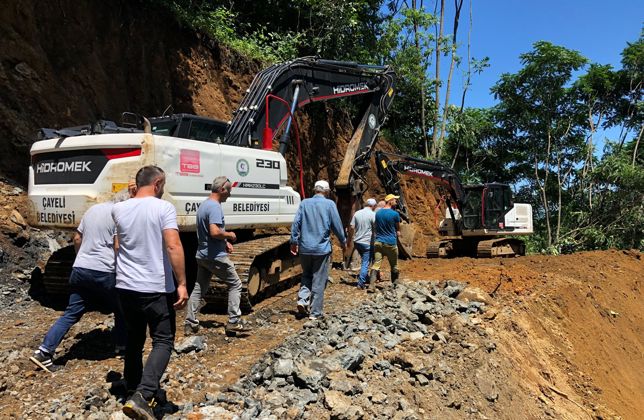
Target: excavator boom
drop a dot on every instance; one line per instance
(278, 91)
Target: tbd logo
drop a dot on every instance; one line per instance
(189, 161)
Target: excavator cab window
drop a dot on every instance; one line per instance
(164, 128)
(497, 202)
(207, 131)
(472, 208)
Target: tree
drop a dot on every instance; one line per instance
(543, 125)
(407, 44)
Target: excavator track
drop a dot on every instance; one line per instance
(476, 247)
(260, 263)
(500, 247)
(255, 262)
(439, 249)
(55, 280)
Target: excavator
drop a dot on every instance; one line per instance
(74, 168)
(481, 220)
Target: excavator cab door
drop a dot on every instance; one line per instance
(496, 202)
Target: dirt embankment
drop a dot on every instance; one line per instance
(572, 324)
(67, 63)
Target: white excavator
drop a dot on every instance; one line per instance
(74, 168)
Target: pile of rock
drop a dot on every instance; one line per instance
(379, 360)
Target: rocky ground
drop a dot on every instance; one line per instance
(530, 337)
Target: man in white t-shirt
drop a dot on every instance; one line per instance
(361, 231)
(149, 252)
(92, 281)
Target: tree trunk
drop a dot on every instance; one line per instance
(469, 62)
(637, 143)
(458, 4)
(423, 122)
(437, 99)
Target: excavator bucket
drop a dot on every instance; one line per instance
(406, 243)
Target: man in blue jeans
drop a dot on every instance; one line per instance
(311, 238)
(361, 228)
(92, 281)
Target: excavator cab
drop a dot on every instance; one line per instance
(486, 205)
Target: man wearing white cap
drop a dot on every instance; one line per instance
(361, 230)
(311, 238)
(387, 227)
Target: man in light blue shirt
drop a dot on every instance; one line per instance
(361, 227)
(311, 238)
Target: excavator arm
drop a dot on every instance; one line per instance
(278, 91)
(389, 171)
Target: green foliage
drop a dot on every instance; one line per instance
(473, 145)
(615, 217)
(407, 44)
(223, 24)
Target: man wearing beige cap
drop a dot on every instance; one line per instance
(387, 226)
(311, 238)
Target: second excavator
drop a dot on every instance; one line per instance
(481, 220)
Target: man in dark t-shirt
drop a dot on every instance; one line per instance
(387, 227)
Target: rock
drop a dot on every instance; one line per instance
(193, 343)
(474, 294)
(486, 386)
(382, 365)
(303, 397)
(308, 375)
(422, 380)
(350, 358)
(337, 403)
(379, 398)
(18, 219)
(216, 412)
(416, 335)
(283, 367)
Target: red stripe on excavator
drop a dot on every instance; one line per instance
(121, 153)
(338, 95)
(320, 99)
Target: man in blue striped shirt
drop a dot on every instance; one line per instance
(311, 238)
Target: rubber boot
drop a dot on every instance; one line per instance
(372, 281)
(394, 277)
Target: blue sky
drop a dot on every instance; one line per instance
(502, 30)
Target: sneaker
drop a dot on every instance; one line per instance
(44, 361)
(138, 408)
(316, 317)
(232, 329)
(361, 286)
(189, 328)
(302, 309)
